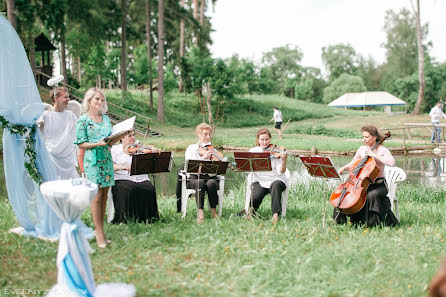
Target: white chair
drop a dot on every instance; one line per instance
(394, 175)
(185, 193)
(284, 194)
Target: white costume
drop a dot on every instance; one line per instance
(59, 133)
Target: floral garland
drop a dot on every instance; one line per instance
(30, 153)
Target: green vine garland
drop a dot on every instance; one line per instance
(30, 153)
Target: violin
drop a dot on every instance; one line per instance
(277, 151)
(350, 196)
(215, 155)
(139, 148)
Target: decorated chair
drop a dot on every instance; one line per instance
(394, 175)
(185, 192)
(284, 194)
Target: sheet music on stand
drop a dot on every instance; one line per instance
(205, 167)
(151, 163)
(323, 167)
(249, 162)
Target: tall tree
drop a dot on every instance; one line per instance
(338, 59)
(124, 50)
(10, 9)
(160, 110)
(149, 53)
(420, 99)
(181, 85)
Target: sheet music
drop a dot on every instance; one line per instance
(123, 126)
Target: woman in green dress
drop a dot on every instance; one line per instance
(91, 129)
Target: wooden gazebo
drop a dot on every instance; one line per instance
(43, 45)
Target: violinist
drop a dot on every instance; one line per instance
(202, 150)
(134, 196)
(269, 182)
(377, 208)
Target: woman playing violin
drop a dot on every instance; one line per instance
(134, 196)
(202, 151)
(269, 182)
(376, 210)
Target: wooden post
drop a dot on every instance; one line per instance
(404, 140)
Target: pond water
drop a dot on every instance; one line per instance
(420, 170)
(426, 170)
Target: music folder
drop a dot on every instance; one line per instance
(151, 163)
(248, 161)
(320, 167)
(206, 167)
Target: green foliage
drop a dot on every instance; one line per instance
(321, 130)
(304, 89)
(340, 58)
(139, 69)
(344, 84)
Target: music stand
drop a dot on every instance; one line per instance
(151, 163)
(199, 167)
(252, 162)
(322, 167)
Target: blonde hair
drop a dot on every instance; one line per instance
(56, 92)
(89, 95)
(260, 132)
(201, 127)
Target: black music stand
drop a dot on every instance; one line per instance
(252, 162)
(322, 167)
(151, 163)
(198, 167)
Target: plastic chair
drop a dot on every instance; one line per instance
(394, 175)
(185, 193)
(284, 193)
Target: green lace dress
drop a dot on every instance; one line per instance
(98, 163)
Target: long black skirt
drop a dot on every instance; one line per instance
(376, 211)
(134, 202)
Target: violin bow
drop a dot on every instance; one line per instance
(281, 132)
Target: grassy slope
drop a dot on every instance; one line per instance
(240, 125)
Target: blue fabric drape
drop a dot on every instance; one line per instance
(20, 104)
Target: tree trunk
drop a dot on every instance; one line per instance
(420, 61)
(202, 8)
(79, 74)
(10, 8)
(181, 85)
(196, 17)
(149, 53)
(160, 111)
(123, 51)
(63, 57)
(208, 102)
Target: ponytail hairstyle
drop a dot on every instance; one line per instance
(373, 131)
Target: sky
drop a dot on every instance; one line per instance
(250, 28)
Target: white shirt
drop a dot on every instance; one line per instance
(59, 134)
(192, 152)
(436, 114)
(122, 159)
(277, 115)
(266, 178)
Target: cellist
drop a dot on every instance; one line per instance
(377, 208)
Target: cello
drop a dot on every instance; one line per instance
(350, 196)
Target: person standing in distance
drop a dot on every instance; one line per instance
(277, 118)
(436, 115)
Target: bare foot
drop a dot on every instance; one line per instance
(275, 218)
(200, 216)
(214, 213)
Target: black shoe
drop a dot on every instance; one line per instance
(242, 213)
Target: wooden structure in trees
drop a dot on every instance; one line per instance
(44, 46)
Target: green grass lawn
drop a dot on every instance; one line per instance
(232, 256)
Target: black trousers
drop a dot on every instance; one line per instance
(276, 189)
(376, 211)
(134, 201)
(207, 184)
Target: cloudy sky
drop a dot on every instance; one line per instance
(252, 27)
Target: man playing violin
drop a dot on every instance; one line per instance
(377, 208)
(269, 182)
(202, 150)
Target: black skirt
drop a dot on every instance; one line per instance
(376, 211)
(134, 202)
